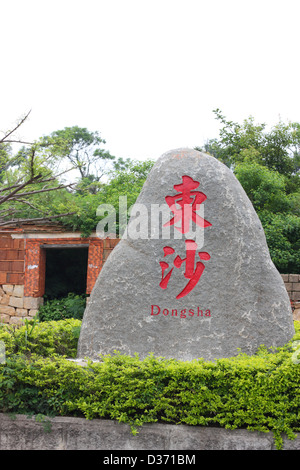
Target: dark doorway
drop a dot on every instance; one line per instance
(66, 271)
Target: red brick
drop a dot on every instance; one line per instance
(3, 254)
(18, 244)
(114, 242)
(15, 278)
(17, 266)
(5, 266)
(21, 254)
(2, 278)
(15, 243)
(6, 242)
(12, 254)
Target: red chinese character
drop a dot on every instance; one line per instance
(189, 201)
(191, 273)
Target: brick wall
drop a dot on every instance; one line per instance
(35, 257)
(22, 270)
(12, 257)
(108, 246)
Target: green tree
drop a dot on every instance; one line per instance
(34, 186)
(283, 238)
(126, 181)
(277, 149)
(24, 179)
(265, 188)
(267, 164)
(82, 148)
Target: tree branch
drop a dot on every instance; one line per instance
(17, 127)
(7, 141)
(29, 193)
(36, 219)
(31, 205)
(21, 186)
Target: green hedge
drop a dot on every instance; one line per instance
(41, 338)
(259, 392)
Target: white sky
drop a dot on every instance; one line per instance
(147, 74)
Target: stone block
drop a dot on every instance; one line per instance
(288, 286)
(296, 286)
(18, 291)
(16, 302)
(293, 277)
(7, 310)
(16, 321)
(33, 312)
(21, 312)
(32, 302)
(8, 288)
(4, 318)
(295, 296)
(285, 277)
(4, 299)
(296, 314)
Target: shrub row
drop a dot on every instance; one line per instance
(259, 392)
(41, 338)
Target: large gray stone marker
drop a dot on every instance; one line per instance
(197, 281)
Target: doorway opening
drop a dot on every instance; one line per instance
(66, 270)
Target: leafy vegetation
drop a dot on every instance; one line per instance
(63, 176)
(71, 306)
(41, 338)
(259, 392)
(267, 164)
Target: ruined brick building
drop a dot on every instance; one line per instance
(37, 258)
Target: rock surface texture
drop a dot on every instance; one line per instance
(186, 298)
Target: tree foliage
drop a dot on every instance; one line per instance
(24, 177)
(60, 177)
(127, 181)
(278, 148)
(267, 164)
(82, 148)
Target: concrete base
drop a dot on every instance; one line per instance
(64, 433)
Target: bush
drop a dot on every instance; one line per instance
(259, 392)
(71, 306)
(44, 339)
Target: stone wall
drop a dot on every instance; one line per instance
(14, 307)
(292, 284)
(66, 433)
